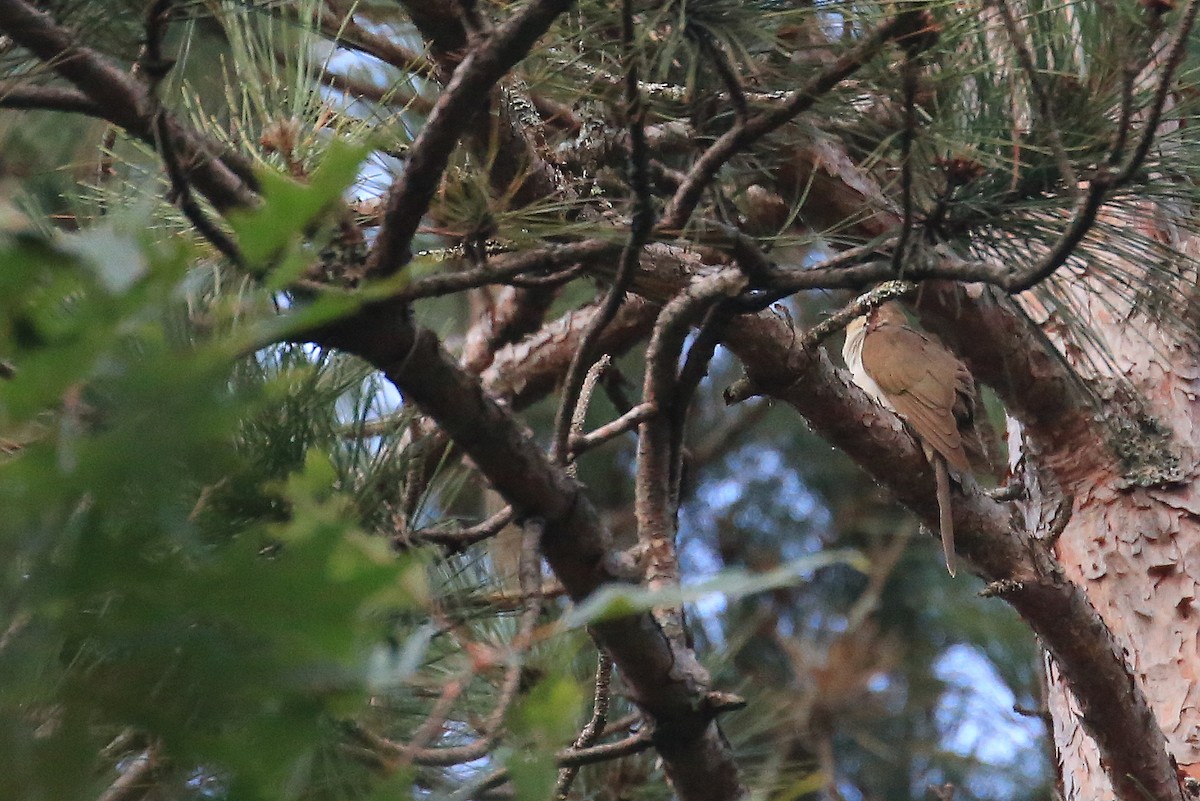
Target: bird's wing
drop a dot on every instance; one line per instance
(913, 387)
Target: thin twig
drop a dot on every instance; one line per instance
(871, 260)
(574, 758)
(695, 367)
(545, 281)
(222, 177)
(349, 34)
(1131, 69)
(458, 539)
(623, 724)
(856, 308)
(590, 734)
(394, 755)
(1175, 54)
(586, 390)
(742, 135)
(639, 232)
(612, 429)
(501, 269)
(720, 62)
(394, 96)
(560, 260)
(654, 490)
(410, 195)
(153, 66)
(1106, 180)
(431, 728)
(511, 602)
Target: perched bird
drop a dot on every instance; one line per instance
(916, 377)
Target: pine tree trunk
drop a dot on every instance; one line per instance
(1133, 539)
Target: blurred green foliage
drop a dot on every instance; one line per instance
(141, 589)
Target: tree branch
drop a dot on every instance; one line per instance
(352, 36)
(410, 195)
(612, 429)
(124, 102)
(655, 490)
(460, 538)
(48, 98)
(508, 266)
(575, 758)
(154, 65)
(534, 367)
(594, 728)
(135, 781)
(742, 135)
(639, 231)
(393, 96)
(667, 684)
(1106, 178)
(1114, 710)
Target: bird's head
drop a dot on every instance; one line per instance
(888, 313)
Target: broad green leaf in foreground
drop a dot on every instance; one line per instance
(289, 207)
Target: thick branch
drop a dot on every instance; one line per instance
(409, 197)
(440, 25)
(503, 135)
(1114, 710)
(122, 100)
(655, 493)
(48, 98)
(665, 682)
(529, 370)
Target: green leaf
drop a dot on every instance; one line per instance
(620, 600)
(544, 719)
(290, 207)
(548, 713)
(533, 774)
(150, 598)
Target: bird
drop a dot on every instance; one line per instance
(928, 387)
